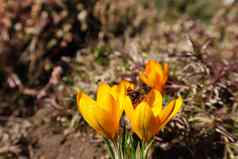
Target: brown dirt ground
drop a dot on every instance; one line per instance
(56, 144)
(39, 137)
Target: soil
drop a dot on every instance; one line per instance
(39, 137)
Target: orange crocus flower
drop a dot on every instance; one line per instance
(154, 76)
(104, 114)
(149, 116)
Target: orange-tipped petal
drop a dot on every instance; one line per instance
(165, 72)
(156, 67)
(154, 76)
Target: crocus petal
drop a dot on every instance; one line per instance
(170, 111)
(154, 99)
(127, 85)
(87, 106)
(154, 75)
(143, 122)
(149, 76)
(104, 93)
(156, 67)
(165, 73)
(104, 114)
(101, 90)
(145, 79)
(128, 107)
(108, 101)
(120, 91)
(109, 120)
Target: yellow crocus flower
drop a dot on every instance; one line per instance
(149, 116)
(154, 75)
(104, 114)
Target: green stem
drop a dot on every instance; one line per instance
(142, 150)
(110, 148)
(148, 147)
(117, 149)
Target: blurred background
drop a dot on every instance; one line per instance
(51, 48)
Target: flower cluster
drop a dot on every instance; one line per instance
(146, 117)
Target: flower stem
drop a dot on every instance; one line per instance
(110, 148)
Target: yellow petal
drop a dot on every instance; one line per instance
(127, 85)
(109, 120)
(120, 91)
(170, 111)
(110, 105)
(103, 118)
(154, 99)
(143, 121)
(104, 92)
(102, 89)
(178, 104)
(87, 107)
(128, 107)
